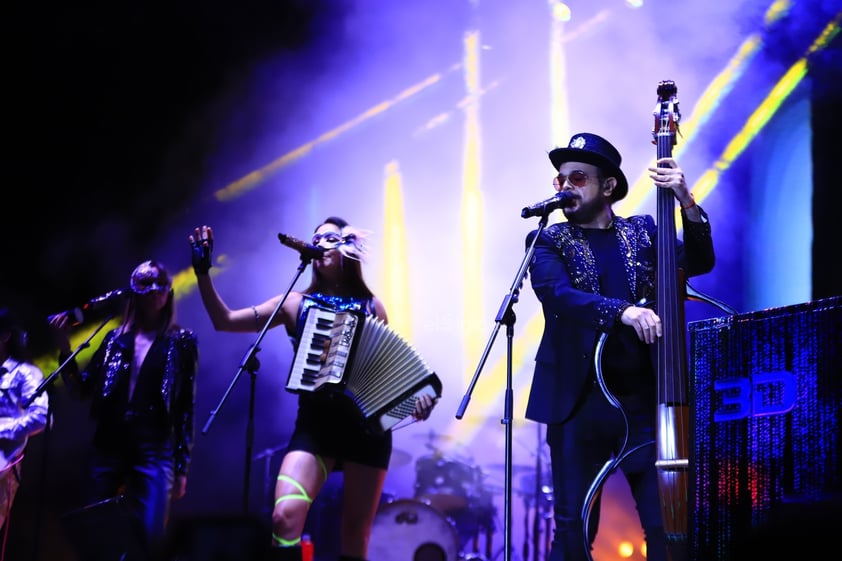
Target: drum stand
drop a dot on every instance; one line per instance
(541, 493)
(485, 525)
(474, 554)
(542, 524)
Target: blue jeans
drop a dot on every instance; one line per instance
(144, 473)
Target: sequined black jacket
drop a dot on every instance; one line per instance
(111, 364)
(564, 277)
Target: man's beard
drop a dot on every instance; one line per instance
(584, 213)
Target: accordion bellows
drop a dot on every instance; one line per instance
(364, 358)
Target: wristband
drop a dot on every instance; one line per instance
(691, 205)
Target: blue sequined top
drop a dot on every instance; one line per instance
(338, 303)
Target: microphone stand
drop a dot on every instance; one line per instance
(506, 316)
(267, 455)
(82, 346)
(48, 428)
(251, 364)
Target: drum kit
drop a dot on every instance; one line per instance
(452, 514)
(451, 517)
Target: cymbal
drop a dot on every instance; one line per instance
(399, 458)
(528, 481)
(475, 420)
(516, 468)
(431, 436)
(500, 489)
(269, 452)
(494, 489)
(545, 495)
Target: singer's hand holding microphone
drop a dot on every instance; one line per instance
(109, 304)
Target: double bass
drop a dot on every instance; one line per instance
(673, 411)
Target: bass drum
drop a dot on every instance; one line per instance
(408, 530)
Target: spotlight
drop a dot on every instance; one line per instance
(560, 10)
(625, 549)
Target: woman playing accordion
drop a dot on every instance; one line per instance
(328, 435)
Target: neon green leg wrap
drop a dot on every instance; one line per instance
(285, 543)
(303, 493)
(324, 468)
(302, 496)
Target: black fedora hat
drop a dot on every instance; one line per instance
(595, 150)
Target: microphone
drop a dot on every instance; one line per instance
(562, 199)
(307, 251)
(109, 302)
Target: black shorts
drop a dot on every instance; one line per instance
(330, 425)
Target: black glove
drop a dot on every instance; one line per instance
(201, 254)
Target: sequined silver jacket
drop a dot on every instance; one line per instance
(18, 383)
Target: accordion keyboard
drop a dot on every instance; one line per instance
(323, 349)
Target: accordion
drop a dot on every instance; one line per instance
(365, 359)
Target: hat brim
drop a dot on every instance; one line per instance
(559, 156)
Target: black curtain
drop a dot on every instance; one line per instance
(826, 107)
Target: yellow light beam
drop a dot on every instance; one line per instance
(723, 83)
(767, 108)
(559, 110)
(396, 271)
(258, 176)
(471, 208)
(442, 118)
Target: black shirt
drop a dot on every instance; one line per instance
(626, 361)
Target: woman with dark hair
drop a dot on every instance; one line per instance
(21, 416)
(141, 382)
(328, 435)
